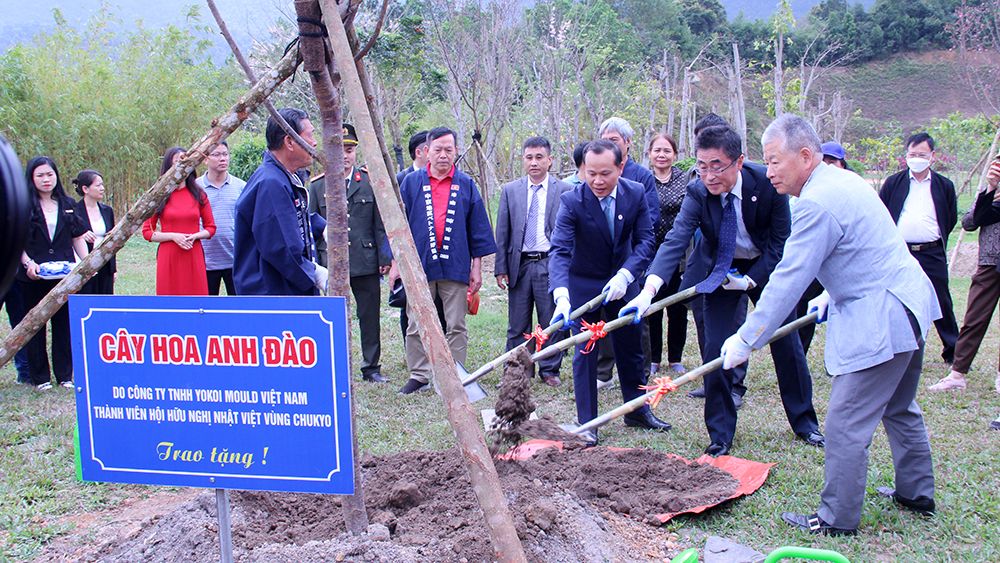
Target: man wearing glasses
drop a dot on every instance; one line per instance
(744, 223)
(223, 190)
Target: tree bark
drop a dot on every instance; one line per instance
(338, 248)
(222, 127)
(482, 472)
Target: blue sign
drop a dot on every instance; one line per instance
(220, 392)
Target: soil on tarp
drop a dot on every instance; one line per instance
(574, 505)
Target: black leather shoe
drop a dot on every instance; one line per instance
(412, 386)
(995, 424)
(375, 377)
(552, 380)
(813, 438)
(698, 393)
(646, 420)
(717, 449)
(921, 505)
(813, 524)
(738, 401)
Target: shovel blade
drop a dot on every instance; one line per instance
(473, 390)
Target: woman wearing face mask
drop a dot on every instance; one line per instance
(54, 234)
(184, 219)
(98, 219)
(671, 185)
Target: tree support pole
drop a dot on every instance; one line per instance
(314, 55)
(465, 424)
(222, 127)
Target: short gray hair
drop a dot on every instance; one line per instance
(617, 125)
(794, 133)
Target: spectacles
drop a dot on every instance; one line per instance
(702, 170)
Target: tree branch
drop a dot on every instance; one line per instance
(378, 29)
(250, 76)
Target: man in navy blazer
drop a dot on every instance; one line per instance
(603, 240)
(743, 239)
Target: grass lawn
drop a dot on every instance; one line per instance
(38, 486)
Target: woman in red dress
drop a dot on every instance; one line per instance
(185, 218)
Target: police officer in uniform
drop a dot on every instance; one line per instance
(369, 256)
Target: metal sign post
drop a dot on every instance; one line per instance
(225, 526)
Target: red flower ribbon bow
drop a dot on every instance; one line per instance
(661, 386)
(597, 332)
(539, 336)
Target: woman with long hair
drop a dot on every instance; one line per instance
(185, 218)
(54, 234)
(671, 185)
(98, 219)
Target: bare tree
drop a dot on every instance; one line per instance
(780, 25)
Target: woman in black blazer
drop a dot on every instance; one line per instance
(53, 235)
(98, 219)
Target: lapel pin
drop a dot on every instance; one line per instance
(620, 217)
(753, 198)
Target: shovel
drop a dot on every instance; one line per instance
(636, 403)
(567, 343)
(475, 391)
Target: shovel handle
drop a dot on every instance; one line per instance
(696, 373)
(549, 330)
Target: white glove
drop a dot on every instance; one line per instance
(616, 288)
(321, 277)
(562, 313)
(637, 306)
(819, 305)
(735, 281)
(734, 352)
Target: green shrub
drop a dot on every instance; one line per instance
(245, 155)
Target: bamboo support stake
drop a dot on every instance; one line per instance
(482, 472)
(147, 204)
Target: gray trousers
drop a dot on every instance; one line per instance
(858, 401)
(368, 301)
(528, 293)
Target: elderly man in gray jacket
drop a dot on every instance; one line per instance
(880, 306)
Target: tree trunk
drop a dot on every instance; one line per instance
(482, 472)
(779, 77)
(147, 204)
(740, 111)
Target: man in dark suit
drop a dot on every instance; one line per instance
(418, 154)
(925, 208)
(744, 224)
(603, 240)
(366, 253)
(527, 214)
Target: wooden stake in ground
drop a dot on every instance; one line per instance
(314, 54)
(222, 127)
(482, 472)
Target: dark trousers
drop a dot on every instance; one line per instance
(103, 283)
(404, 321)
(628, 358)
(13, 300)
(802, 309)
(368, 302)
(794, 381)
(62, 356)
(530, 292)
(677, 323)
(984, 293)
(697, 306)
(217, 277)
(932, 259)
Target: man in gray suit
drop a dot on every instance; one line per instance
(880, 304)
(527, 214)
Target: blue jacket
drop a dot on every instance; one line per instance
(637, 173)
(582, 257)
(467, 234)
(271, 251)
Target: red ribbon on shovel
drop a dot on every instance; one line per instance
(539, 336)
(597, 332)
(662, 386)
